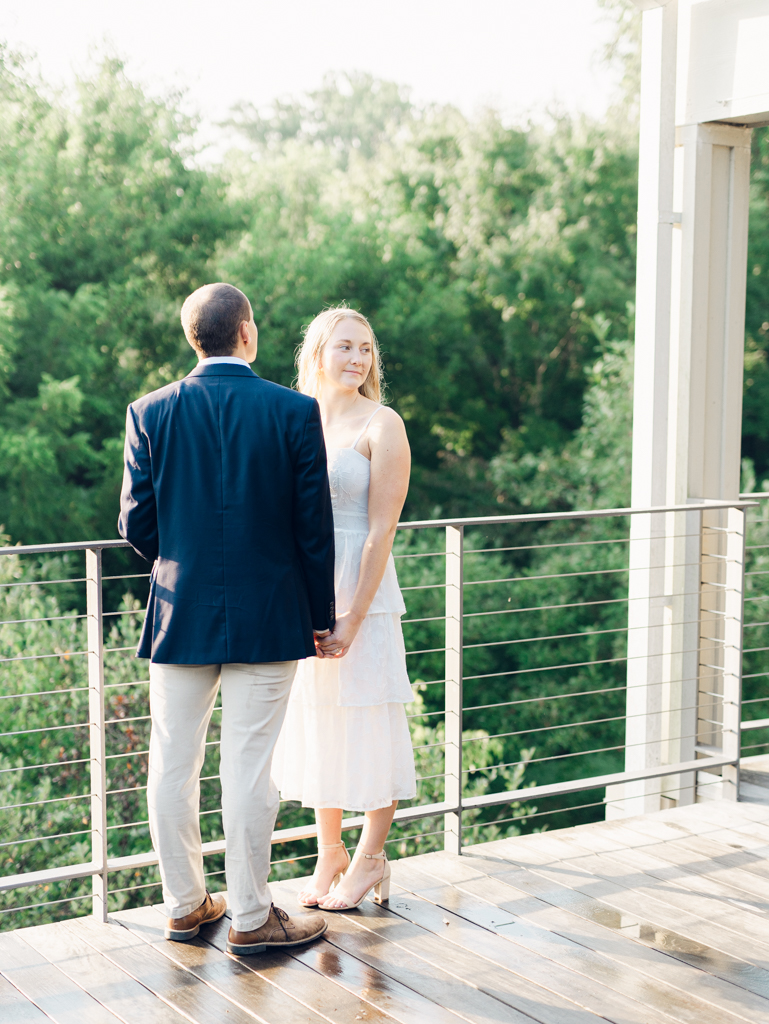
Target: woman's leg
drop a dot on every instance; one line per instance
(362, 873)
(330, 862)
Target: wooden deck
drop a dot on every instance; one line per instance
(660, 918)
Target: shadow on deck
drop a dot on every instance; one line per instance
(657, 918)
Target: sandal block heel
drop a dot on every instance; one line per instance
(382, 889)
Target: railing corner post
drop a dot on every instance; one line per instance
(97, 737)
(453, 684)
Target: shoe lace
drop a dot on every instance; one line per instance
(281, 915)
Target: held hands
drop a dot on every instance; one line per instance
(337, 644)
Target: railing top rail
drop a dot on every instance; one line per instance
(52, 549)
(755, 494)
(534, 517)
(421, 524)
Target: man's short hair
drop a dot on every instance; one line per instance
(211, 317)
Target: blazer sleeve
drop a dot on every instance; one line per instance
(138, 520)
(314, 522)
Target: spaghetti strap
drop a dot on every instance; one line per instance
(365, 427)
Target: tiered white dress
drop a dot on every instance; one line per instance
(345, 741)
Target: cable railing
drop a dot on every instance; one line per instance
(525, 636)
(755, 663)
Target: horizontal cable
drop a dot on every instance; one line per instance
(47, 903)
(46, 618)
(551, 757)
(135, 888)
(419, 835)
(130, 576)
(39, 657)
(114, 650)
(291, 860)
(136, 682)
(43, 693)
(584, 664)
(44, 728)
(559, 636)
(43, 839)
(52, 764)
(43, 583)
(431, 714)
(128, 611)
(428, 650)
(548, 576)
(549, 728)
(555, 696)
(561, 544)
(425, 586)
(430, 618)
(547, 607)
(421, 554)
(754, 625)
(40, 803)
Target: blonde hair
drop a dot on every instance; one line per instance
(308, 358)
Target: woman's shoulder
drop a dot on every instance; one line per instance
(386, 418)
(387, 428)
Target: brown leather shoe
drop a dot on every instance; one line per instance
(278, 930)
(182, 928)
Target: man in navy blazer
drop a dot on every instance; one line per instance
(226, 492)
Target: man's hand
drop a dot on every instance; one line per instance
(337, 643)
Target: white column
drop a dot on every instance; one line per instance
(707, 352)
(646, 607)
(690, 309)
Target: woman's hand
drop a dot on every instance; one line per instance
(338, 643)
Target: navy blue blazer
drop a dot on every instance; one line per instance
(226, 492)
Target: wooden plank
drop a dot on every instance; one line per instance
(714, 969)
(666, 938)
(46, 986)
(667, 1001)
(681, 985)
(65, 946)
(205, 960)
(697, 929)
(742, 880)
(742, 923)
(421, 974)
(202, 1001)
(489, 942)
(349, 976)
(15, 1008)
(524, 995)
(668, 870)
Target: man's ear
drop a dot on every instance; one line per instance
(243, 334)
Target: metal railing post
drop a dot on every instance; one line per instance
(454, 671)
(97, 738)
(734, 614)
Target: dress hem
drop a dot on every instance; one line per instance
(327, 805)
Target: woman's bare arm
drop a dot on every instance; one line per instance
(390, 471)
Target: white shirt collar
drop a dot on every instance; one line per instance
(222, 359)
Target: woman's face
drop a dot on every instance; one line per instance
(347, 355)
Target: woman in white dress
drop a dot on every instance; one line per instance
(345, 742)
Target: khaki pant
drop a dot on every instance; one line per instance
(182, 697)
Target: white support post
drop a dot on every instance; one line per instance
(454, 674)
(690, 301)
(95, 629)
(648, 608)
